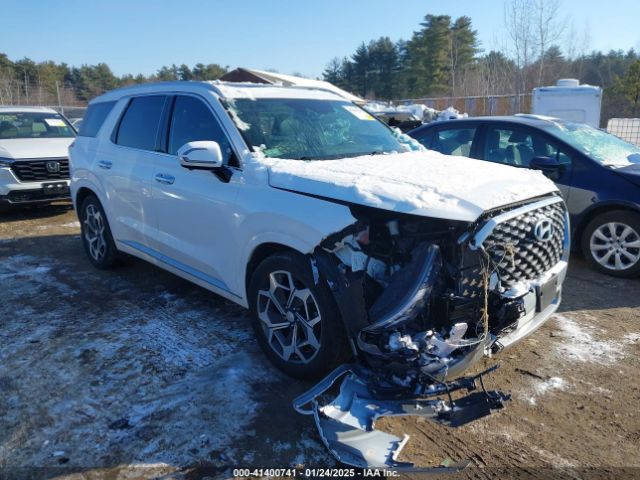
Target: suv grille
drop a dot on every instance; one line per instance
(41, 169)
(516, 250)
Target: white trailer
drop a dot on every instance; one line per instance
(570, 101)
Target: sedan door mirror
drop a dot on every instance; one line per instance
(201, 155)
(548, 165)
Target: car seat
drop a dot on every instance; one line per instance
(463, 141)
(8, 130)
(494, 152)
(520, 151)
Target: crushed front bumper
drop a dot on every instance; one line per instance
(346, 423)
(537, 309)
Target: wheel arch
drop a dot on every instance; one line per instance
(81, 194)
(260, 253)
(596, 210)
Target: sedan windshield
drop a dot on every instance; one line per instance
(33, 125)
(603, 147)
(307, 129)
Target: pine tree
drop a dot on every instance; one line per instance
(361, 66)
(333, 72)
(464, 48)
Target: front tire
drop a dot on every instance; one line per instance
(96, 235)
(611, 243)
(296, 321)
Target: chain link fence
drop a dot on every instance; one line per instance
(477, 106)
(627, 129)
(60, 97)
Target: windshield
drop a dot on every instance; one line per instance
(597, 144)
(306, 129)
(33, 125)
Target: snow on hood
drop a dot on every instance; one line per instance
(17, 148)
(423, 183)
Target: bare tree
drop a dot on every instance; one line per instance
(549, 27)
(520, 28)
(533, 27)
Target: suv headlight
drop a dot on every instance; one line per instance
(5, 162)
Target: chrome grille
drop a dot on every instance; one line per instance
(516, 251)
(36, 170)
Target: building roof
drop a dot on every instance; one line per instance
(261, 76)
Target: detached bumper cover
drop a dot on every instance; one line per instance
(347, 422)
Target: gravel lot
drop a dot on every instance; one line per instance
(135, 372)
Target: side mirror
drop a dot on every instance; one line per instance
(548, 165)
(200, 155)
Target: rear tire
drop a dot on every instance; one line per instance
(96, 235)
(296, 321)
(611, 243)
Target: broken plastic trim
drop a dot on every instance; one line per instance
(412, 285)
(347, 423)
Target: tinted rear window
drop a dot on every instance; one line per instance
(94, 118)
(139, 125)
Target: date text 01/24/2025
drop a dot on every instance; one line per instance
(315, 472)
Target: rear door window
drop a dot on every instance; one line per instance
(454, 141)
(94, 118)
(139, 125)
(191, 121)
(517, 146)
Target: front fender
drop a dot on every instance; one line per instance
(303, 225)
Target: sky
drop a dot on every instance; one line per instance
(140, 36)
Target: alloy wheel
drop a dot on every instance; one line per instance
(94, 229)
(290, 318)
(615, 246)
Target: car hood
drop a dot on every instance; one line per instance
(631, 173)
(423, 183)
(18, 148)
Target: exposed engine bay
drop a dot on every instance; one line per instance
(423, 300)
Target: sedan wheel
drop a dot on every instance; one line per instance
(615, 246)
(611, 243)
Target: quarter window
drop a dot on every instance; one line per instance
(192, 121)
(139, 125)
(454, 141)
(94, 118)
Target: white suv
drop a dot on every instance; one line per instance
(34, 167)
(304, 208)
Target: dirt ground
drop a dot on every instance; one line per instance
(136, 373)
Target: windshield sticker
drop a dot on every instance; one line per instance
(358, 112)
(55, 122)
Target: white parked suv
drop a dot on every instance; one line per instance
(34, 167)
(305, 209)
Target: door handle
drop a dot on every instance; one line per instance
(165, 178)
(105, 164)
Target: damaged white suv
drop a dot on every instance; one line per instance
(307, 210)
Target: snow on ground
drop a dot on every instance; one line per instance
(545, 387)
(172, 379)
(75, 224)
(580, 343)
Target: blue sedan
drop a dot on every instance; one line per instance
(598, 174)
